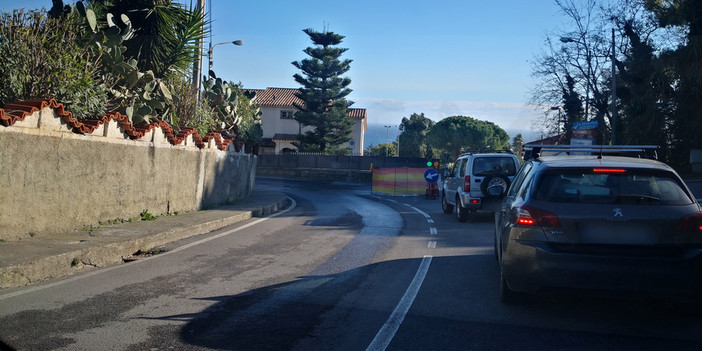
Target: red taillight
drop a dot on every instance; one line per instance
(608, 170)
(691, 223)
(531, 216)
(466, 184)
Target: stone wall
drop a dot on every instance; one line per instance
(53, 179)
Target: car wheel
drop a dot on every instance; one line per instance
(507, 295)
(462, 213)
(445, 206)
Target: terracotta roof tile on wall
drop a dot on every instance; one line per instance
(11, 113)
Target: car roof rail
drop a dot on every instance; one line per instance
(486, 151)
(639, 151)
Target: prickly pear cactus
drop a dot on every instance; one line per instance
(140, 95)
(224, 102)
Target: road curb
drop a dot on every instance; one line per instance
(99, 255)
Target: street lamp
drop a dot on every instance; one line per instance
(560, 120)
(387, 134)
(210, 51)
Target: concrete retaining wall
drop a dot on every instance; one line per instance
(54, 180)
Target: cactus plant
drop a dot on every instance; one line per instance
(140, 95)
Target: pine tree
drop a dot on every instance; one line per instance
(323, 93)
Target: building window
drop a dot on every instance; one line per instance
(286, 114)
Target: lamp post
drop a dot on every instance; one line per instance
(210, 52)
(398, 141)
(387, 135)
(560, 120)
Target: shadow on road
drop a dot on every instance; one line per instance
(450, 312)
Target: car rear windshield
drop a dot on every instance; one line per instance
(485, 166)
(618, 186)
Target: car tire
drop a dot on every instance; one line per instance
(491, 180)
(462, 213)
(507, 295)
(445, 206)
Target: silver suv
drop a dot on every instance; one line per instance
(476, 182)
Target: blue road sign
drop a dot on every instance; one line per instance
(431, 175)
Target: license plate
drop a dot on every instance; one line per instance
(617, 233)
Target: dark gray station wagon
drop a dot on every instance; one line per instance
(598, 222)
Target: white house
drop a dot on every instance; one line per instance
(280, 129)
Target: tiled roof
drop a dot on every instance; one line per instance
(357, 113)
(287, 97)
(277, 97)
(285, 137)
(11, 113)
(267, 142)
(554, 140)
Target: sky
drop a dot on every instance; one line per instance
(441, 58)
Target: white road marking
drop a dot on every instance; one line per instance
(181, 248)
(432, 231)
(430, 220)
(387, 332)
(421, 212)
(432, 245)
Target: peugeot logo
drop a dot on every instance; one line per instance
(617, 212)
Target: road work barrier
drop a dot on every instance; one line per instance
(399, 181)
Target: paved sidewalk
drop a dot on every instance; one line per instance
(44, 257)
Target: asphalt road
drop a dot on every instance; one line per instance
(341, 270)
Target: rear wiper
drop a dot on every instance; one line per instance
(638, 197)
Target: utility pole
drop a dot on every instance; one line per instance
(614, 94)
(197, 65)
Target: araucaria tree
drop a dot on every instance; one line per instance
(323, 93)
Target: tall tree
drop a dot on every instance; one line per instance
(458, 134)
(645, 92)
(686, 61)
(518, 144)
(583, 54)
(323, 93)
(414, 133)
(572, 106)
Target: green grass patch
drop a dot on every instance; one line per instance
(147, 216)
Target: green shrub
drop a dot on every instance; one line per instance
(42, 58)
